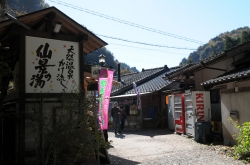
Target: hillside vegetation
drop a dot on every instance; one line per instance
(20, 7)
(218, 44)
(92, 58)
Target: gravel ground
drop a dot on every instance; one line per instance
(163, 147)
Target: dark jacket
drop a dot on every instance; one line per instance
(115, 112)
(123, 115)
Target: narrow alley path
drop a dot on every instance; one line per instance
(161, 147)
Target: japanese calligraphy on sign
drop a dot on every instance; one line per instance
(51, 66)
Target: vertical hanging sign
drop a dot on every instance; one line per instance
(138, 96)
(101, 110)
(104, 89)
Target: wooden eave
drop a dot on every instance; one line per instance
(69, 27)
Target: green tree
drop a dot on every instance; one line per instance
(230, 42)
(195, 57)
(134, 69)
(189, 60)
(183, 61)
(245, 36)
(92, 58)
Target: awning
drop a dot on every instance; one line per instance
(129, 95)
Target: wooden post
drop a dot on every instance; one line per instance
(41, 138)
(82, 39)
(21, 139)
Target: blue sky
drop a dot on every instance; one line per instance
(195, 19)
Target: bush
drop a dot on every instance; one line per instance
(242, 149)
(70, 135)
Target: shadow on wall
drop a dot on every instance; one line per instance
(229, 140)
(239, 102)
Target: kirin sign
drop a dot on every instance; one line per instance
(51, 66)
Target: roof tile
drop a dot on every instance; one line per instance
(234, 74)
(153, 84)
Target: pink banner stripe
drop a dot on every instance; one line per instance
(101, 110)
(108, 75)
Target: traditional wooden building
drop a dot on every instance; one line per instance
(234, 90)
(226, 76)
(45, 51)
(150, 84)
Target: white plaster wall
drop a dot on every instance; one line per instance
(234, 102)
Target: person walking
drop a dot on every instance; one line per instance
(115, 113)
(123, 117)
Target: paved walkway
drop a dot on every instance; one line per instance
(162, 147)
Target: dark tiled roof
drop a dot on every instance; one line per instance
(128, 79)
(230, 76)
(180, 70)
(147, 81)
(152, 85)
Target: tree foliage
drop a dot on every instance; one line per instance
(92, 58)
(73, 124)
(189, 60)
(242, 149)
(125, 68)
(245, 36)
(27, 6)
(230, 42)
(183, 61)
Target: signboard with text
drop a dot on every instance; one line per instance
(51, 66)
(95, 71)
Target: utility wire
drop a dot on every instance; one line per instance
(144, 48)
(220, 50)
(125, 22)
(129, 60)
(139, 61)
(142, 43)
